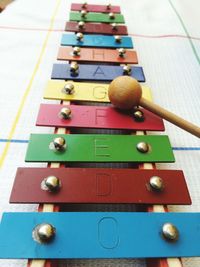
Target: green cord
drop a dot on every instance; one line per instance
(186, 32)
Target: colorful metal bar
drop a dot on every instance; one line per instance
(83, 116)
(94, 72)
(97, 28)
(95, 8)
(97, 55)
(95, 92)
(99, 235)
(96, 17)
(99, 186)
(99, 148)
(96, 40)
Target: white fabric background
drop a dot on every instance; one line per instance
(171, 70)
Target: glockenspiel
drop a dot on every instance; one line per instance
(98, 155)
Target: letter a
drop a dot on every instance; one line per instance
(98, 71)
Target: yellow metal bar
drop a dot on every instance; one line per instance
(95, 92)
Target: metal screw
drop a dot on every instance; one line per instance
(138, 115)
(58, 144)
(108, 6)
(170, 232)
(79, 36)
(76, 51)
(83, 13)
(127, 70)
(111, 15)
(74, 67)
(51, 184)
(156, 183)
(44, 233)
(114, 26)
(84, 4)
(118, 39)
(122, 52)
(81, 24)
(142, 147)
(68, 89)
(65, 113)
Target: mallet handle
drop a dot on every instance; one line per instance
(171, 117)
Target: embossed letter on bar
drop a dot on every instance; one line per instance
(91, 185)
(98, 148)
(99, 235)
(97, 117)
(94, 72)
(97, 55)
(82, 91)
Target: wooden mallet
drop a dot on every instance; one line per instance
(125, 92)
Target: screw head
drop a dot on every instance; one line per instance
(83, 13)
(127, 70)
(76, 51)
(108, 6)
(65, 113)
(74, 67)
(142, 147)
(114, 26)
(84, 4)
(44, 233)
(79, 36)
(81, 24)
(138, 115)
(58, 144)
(111, 15)
(122, 52)
(170, 232)
(156, 183)
(68, 89)
(51, 184)
(118, 38)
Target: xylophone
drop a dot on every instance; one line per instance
(90, 143)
